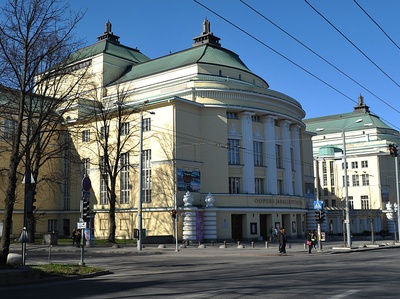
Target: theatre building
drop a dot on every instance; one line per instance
(232, 152)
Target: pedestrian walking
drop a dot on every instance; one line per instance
(282, 241)
(309, 241)
(78, 238)
(73, 237)
(314, 239)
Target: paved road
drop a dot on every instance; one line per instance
(223, 273)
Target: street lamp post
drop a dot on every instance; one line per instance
(140, 186)
(346, 185)
(346, 190)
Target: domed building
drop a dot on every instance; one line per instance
(212, 152)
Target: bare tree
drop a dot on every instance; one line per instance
(35, 42)
(114, 146)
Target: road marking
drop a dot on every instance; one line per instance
(345, 294)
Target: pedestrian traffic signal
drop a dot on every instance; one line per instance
(393, 150)
(30, 199)
(317, 216)
(85, 209)
(322, 216)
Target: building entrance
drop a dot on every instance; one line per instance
(237, 227)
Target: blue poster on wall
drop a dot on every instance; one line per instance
(188, 180)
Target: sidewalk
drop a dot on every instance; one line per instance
(295, 246)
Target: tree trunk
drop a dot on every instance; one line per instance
(112, 224)
(8, 213)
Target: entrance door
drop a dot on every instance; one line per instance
(237, 227)
(263, 227)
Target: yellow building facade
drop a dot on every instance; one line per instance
(230, 154)
(220, 147)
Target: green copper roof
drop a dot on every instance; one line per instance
(206, 54)
(110, 48)
(346, 121)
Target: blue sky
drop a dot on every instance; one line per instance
(158, 27)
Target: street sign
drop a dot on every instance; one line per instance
(86, 184)
(318, 205)
(81, 225)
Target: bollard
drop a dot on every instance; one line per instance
(50, 254)
(252, 244)
(266, 244)
(225, 244)
(290, 245)
(238, 243)
(212, 243)
(304, 245)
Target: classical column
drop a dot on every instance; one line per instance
(248, 156)
(270, 161)
(287, 157)
(297, 161)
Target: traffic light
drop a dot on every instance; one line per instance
(173, 213)
(30, 199)
(393, 150)
(85, 209)
(322, 216)
(317, 216)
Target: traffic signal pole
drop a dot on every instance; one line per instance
(319, 237)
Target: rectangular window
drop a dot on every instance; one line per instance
(351, 202)
(259, 186)
(292, 158)
(365, 202)
(233, 152)
(8, 129)
(365, 179)
(103, 182)
(52, 225)
(86, 166)
(278, 153)
(256, 118)
(324, 169)
(125, 128)
(364, 164)
(146, 124)
(280, 187)
(146, 176)
(354, 164)
(234, 185)
(86, 136)
(125, 189)
(258, 153)
(334, 203)
(325, 179)
(232, 115)
(356, 180)
(332, 177)
(347, 165)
